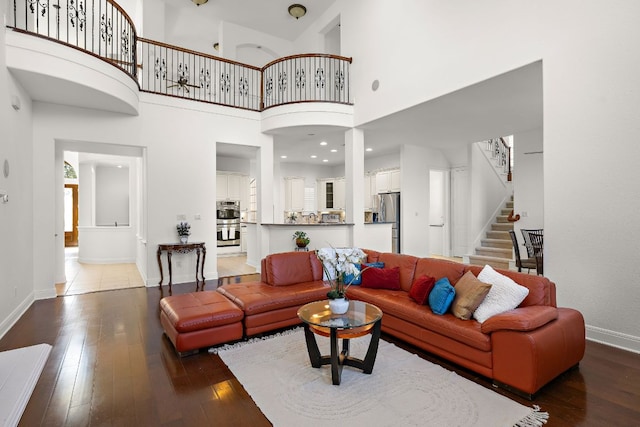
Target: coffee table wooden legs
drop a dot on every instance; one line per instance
(337, 359)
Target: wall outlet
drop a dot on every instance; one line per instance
(524, 214)
(181, 217)
(196, 216)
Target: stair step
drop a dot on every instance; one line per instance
(497, 243)
(500, 235)
(509, 204)
(502, 218)
(492, 261)
(495, 252)
(505, 211)
(502, 226)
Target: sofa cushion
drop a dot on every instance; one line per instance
(470, 292)
(440, 268)
(421, 289)
(289, 268)
(352, 279)
(407, 265)
(381, 278)
(504, 295)
(441, 296)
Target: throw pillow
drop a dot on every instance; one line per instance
(504, 295)
(421, 288)
(441, 296)
(381, 278)
(356, 280)
(470, 292)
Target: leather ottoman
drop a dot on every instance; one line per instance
(200, 319)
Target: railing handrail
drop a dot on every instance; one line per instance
(126, 15)
(504, 143)
(308, 55)
(194, 52)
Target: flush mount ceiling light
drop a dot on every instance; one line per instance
(216, 46)
(297, 11)
(199, 2)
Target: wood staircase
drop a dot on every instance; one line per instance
(496, 249)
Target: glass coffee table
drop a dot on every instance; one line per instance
(361, 319)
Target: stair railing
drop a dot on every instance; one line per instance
(501, 152)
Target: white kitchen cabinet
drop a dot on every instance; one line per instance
(229, 186)
(394, 180)
(245, 200)
(294, 194)
(388, 181)
(243, 238)
(369, 191)
(339, 201)
(325, 194)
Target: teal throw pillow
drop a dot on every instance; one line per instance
(441, 296)
(349, 278)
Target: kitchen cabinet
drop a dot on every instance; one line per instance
(388, 181)
(229, 186)
(369, 191)
(321, 195)
(244, 193)
(243, 238)
(339, 201)
(293, 194)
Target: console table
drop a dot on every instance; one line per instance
(182, 248)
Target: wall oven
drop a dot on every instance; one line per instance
(228, 219)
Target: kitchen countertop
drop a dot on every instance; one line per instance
(317, 224)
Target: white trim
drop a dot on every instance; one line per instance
(613, 338)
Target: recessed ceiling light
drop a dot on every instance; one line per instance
(313, 156)
(323, 143)
(325, 160)
(369, 149)
(333, 150)
(283, 157)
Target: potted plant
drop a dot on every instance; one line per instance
(184, 229)
(292, 217)
(301, 238)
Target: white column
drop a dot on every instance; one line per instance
(354, 187)
(265, 185)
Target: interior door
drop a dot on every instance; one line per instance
(437, 212)
(70, 215)
(459, 197)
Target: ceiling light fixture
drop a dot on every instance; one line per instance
(199, 2)
(216, 46)
(283, 157)
(323, 143)
(369, 149)
(333, 150)
(313, 156)
(325, 160)
(296, 10)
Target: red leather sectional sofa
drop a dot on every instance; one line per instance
(521, 350)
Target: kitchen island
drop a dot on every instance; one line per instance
(376, 236)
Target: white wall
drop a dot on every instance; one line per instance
(414, 200)
(112, 195)
(236, 37)
(528, 181)
(16, 216)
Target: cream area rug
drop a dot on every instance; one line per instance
(403, 390)
(19, 373)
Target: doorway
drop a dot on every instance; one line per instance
(439, 212)
(70, 215)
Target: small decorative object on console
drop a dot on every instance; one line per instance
(184, 229)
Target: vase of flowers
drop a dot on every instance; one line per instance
(336, 263)
(301, 238)
(184, 229)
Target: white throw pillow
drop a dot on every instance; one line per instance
(504, 295)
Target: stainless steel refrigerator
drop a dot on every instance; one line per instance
(389, 211)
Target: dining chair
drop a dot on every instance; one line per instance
(527, 239)
(538, 250)
(527, 263)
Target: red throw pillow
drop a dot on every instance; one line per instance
(421, 288)
(381, 278)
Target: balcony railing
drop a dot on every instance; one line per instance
(99, 27)
(102, 28)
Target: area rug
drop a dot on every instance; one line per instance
(19, 373)
(403, 390)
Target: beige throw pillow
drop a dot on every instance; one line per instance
(470, 292)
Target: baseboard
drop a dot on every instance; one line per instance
(107, 260)
(613, 338)
(15, 315)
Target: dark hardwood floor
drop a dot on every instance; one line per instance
(111, 366)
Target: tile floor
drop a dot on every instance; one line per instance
(84, 278)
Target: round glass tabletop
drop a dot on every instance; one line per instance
(359, 314)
